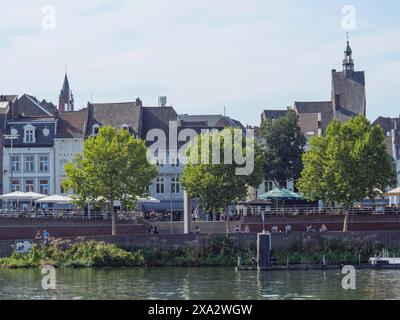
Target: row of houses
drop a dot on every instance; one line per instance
(38, 138)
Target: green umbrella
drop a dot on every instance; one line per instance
(279, 194)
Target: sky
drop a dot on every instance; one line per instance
(246, 55)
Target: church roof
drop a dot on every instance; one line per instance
(65, 90)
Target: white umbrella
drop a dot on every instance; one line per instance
(34, 195)
(55, 199)
(148, 200)
(16, 195)
(393, 193)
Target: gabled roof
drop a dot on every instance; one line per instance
(29, 106)
(386, 123)
(273, 114)
(210, 121)
(114, 114)
(157, 118)
(71, 124)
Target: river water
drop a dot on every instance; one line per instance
(197, 283)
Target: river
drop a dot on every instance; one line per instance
(197, 283)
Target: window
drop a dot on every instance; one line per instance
(29, 134)
(175, 185)
(29, 164)
(29, 186)
(160, 185)
(44, 186)
(269, 185)
(15, 185)
(96, 129)
(15, 164)
(43, 163)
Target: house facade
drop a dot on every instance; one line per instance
(28, 158)
(68, 142)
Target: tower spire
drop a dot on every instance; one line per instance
(348, 62)
(66, 98)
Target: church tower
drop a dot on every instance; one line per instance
(348, 89)
(66, 99)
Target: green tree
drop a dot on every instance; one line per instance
(217, 184)
(346, 165)
(113, 166)
(283, 145)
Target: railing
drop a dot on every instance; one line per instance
(312, 210)
(69, 215)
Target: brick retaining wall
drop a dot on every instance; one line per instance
(390, 239)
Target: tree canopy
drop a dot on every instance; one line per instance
(283, 145)
(113, 166)
(347, 165)
(217, 185)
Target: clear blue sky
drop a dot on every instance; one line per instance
(245, 54)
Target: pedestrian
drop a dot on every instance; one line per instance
(288, 229)
(38, 235)
(46, 236)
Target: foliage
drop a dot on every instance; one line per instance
(214, 180)
(62, 253)
(346, 165)
(283, 146)
(113, 166)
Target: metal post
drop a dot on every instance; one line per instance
(170, 205)
(264, 251)
(187, 213)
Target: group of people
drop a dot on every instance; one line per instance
(288, 229)
(311, 228)
(45, 236)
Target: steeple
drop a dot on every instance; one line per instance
(66, 99)
(348, 63)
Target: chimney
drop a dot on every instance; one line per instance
(162, 101)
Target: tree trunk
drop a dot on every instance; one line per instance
(346, 219)
(113, 220)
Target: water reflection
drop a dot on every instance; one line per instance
(197, 283)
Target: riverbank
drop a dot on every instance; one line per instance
(219, 251)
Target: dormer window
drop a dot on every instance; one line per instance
(96, 129)
(29, 134)
(125, 127)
